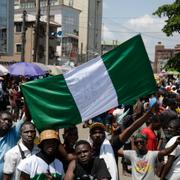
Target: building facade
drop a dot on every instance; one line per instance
(67, 35)
(29, 41)
(81, 24)
(109, 45)
(162, 55)
(6, 27)
(90, 22)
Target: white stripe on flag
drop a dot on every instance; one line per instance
(92, 88)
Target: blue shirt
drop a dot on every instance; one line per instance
(7, 142)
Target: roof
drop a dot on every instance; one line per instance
(111, 42)
(71, 35)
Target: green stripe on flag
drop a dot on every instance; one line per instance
(130, 70)
(50, 103)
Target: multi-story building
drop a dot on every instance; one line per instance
(6, 27)
(67, 34)
(81, 25)
(90, 22)
(29, 40)
(162, 55)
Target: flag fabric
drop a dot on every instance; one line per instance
(120, 118)
(120, 76)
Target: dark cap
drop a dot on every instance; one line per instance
(97, 125)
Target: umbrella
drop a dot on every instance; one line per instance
(43, 67)
(25, 69)
(3, 70)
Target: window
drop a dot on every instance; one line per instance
(71, 3)
(19, 27)
(18, 48)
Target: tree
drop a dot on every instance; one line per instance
(172, 12)
(173, 64)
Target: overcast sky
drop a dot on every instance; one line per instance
(122, 19)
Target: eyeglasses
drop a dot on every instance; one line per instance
(137, 142)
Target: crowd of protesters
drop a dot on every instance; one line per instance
(145, 135)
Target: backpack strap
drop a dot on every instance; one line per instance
(22, 152)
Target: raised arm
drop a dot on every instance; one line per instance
(69, 173)
(133, 127)
(67, 156)
(168, 150)
(167, 167)
(121, 153)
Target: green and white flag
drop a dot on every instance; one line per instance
(120, 76)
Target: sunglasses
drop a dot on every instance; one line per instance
(137, 142)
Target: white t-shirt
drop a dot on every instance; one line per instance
(107, 153)
(142, 165)
(175, 168)
(37, 168)
(13, 157)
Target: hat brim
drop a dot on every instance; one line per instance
(97, 125)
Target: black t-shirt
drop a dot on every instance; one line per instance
(95, 169)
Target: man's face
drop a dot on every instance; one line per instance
(50, 146)
(5, 122)
(173, 130)
(97, 135)
(155, 121)
(83, 152)
(28, 133)
(140, 144)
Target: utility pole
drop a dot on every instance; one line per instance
(47, 31)
(88, 33)
(81, 58)
(36, 32)
(23, 36)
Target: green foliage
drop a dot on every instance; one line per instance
(173, 64)
(172, 12)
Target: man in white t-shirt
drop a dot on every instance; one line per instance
(44, 164)
(102, 148)
(142, 160)
(25, 148)
(171, 170)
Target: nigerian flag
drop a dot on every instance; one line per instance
(120, 76)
